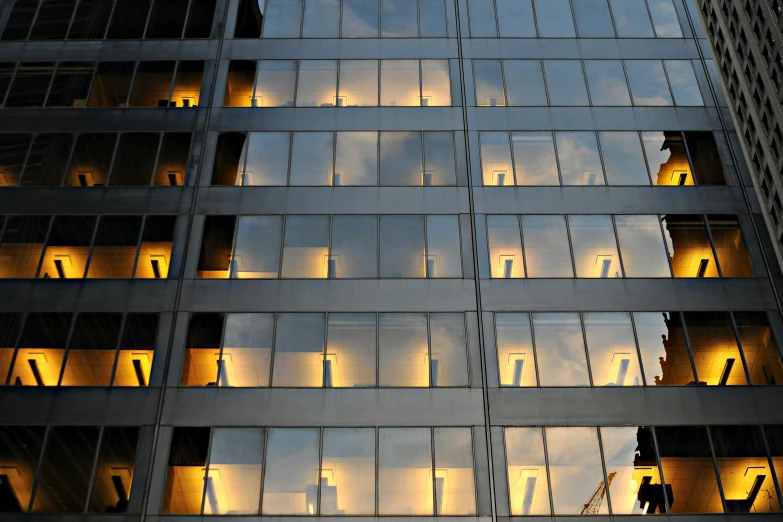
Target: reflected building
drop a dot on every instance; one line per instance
(421, 259)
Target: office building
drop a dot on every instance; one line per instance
(478, 259)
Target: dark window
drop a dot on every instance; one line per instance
(21, 246)
(239, 86)
(71, 84)
(20, 20)
(187, 86)
(53, 19)
(172, 164)
(228, 158)
(249, 20)
(137, 350)
(13, 150)
(199, 367)
(6, 73)
(30, 84)
(91, 160)
(185, 476)
(129, 19)
(200, 19)
(167, 19)
(48, 160)
(216, 245)
(111, 85)
(20, 450)
(152, 85)
(90, 20)
(707, 166)
(154, 257)
(135, 158)
(10, 325)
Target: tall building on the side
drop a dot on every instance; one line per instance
(473, 260)
(747, 43)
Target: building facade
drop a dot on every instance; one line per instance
(465, 259)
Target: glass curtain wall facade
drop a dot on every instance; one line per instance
(477, 259)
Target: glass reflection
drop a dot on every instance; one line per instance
(439, 159)
(401, 159)
(358, 83)
(730, 246)
(400, 83)
(312, 156)
(354, 247)
(356, 159)
(580, 163)
(575, 471)
(402, 247)
(547, 253)
(348, 472)
(482, 19)
(595, 248)
(317, 84)
(496, 166)
(593, 19)
(20, 450)
(663, 348)
(257, 248)
(233, 482)
(515, 18)
(524, 82)
(360, 19)
(715, 351)
(612, 348)
(528, 485)
(505, 247)
(648, 82)
(689, 246)
(516, 361)
(299, 350)
(454, 480)
(642, 247)
(758, 346)
(291, 475)
(306, 247)
(606, 79)
(282, 18)
(246, 355)
(489, 83)
(435, 83)
(267, 159)
(631, 19)
(399, 19)
(350, 351)
(554, 19)
(275, 83)
(666, 158)
(447, 353)
(565, 81)
(404, 357)
(321, 19)
(443, 248)
(664, 17)
(534, 158)
(623, 158)
(405, 471)
(560, 349)
(682, 80)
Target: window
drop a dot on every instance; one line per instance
(515, 18)
(566, 82)
(447, 350)
(689, 246)
(348, 472)
(135, 160)
(299, 348)
(321, 19)
(111, 85)
(13, 151)
(291, 475)
(662, 346)
(350, 362)
(246, 350)
(229, 165)
(152, 86)
(554, 19)
(67, 248)
(90, 20)
(534, 158)
(482, 19)
(438, 159)
(137, 350)
(10, 327)
(114, 472)
(774, 436)
(489, 83)
(404, 352)
(47, 160)
(593, 19)
(114, 247)
(20, 20)
(435, 83)
(358, 83)
(92, 158)
(70, 85)
(607, 83)
(232, 482)
(665, 19)
(580, 163)
(402, 247)
(642, 247)
(405, 481)
(516, 364)
(398, 18)
(496, 163)
(443, 248)
(432, 18)
(612, 349)
(128, 19)
(716, 354)
(758, 345)
(453, 473)
(186, 90)
(666, 158)
(306, 247)
(360, 19)
(623, 158)
(266, 159)
(171, 168)
(401, 158)
(22, 244)
(560, 350)
(239, 83)
(275, 82)
(707, 164)
(282, 18)
(648, 82)
(595, 248)
(91, 351)
(354, 247)
(632, 19)
(547, 253)
(20, 449)
(356, 159)
(30, 84)
(505, 248)
(528, 485)
(524, 82)
(574, 468)
(202, 351)
(186, 473)
(317, 85)
(682, 79)
(312, 158)
(400, 83)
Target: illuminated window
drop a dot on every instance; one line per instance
(114, 473)
(404, 350)
(39, 358)
(612, 349)
(239, 84)
(350, 360)
(505, 247)
(216, 247)
(347, 472)
(21, 246)
(202, 352)
(715, 351)
(233, 479)
(435, 83)
(455, 492)
(358, 83)
(257, 247)
(758, 346)
(689, 246)
(528, 484)
(291, 475)
(266, 161)
(299, 351)
(187, 84)
(580, 163)
(91, 159)
(547, 253)
(137, 350)
(306, 247)
(405, 472)
(114, 248)
(496, 159)
(317, 85)
(642, 246)
(560, 349)
(400, 83)
(246, 351)
(10, 326)
(20, 451)
(595, 247)
(516, 360)
(186, 471)
(575, 470)
(152, 85)
(91, 352)
(730, 246)
(67, 247)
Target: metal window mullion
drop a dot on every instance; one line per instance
(378, 162)
(174, 76)
(429, 358)
(55, 69)
(652, 22)
(522, 238)
(532, 345)
(91, 249)
(220, 349)
(158, 154)
(589, 96)
(205, 480)
(644, 155)
(232, 259)
(553, 135)
(45, 246)
(91, 85)
(264, 441)
(548, 474)
(617, 242)
(153, 4)
(67, 347)
(246, 153)
(735, 329)
(503, 83)
(688, 346)
(317, 510)
(669, 83)
(426, 248)
(109, 18)
(628, 84)
(114, 154)
(423, 161)
(587, 349)
(434, 480)
(139, 243)
(336, 89)
(136, 67)
(421, 82)
(378, 246)
(69, 159)
(377, 356)
(39, 468)
(11, 81)
(377, 467)
(638, 349)
(27, 153)
(118, 346)
(330, 217)
(418, 18)
(600, 155)
(340, 19)
(667, 502)
(603, 470)
(466, 355)
(570, 246)
(706, 223)
(188, 12)
(94, 475)
(513, 158)
(666, 246)
(717, 469)
(611, 18)
(689, 157)
(291, 136)
(325, 352)
(573, 19)
(70, 21)
(273, 352)
(770, 462)
(3, 223)
(334, 157)
(18, 341)
(35, 19)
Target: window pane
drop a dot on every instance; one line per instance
(234, 483)
(348, 471)
(154, 255)
(239, 84)
(729, 245)
(665, 19)
(662, 344)
(20, 449)
(22, 245)
(515, 18)
(689, 246)
(306, 247)
(448, 365)
(496, 166)
(202, 353)
(350, 355)
(299, 349)
(683, 82)
(64, 479)
(741, 456)
(439, 159)
(580, 163)
(432, 18)
(317, 85)
(173, 159)
(282, 18)
(400, 83)
(167, 20)
(10, 325)
(482, 19)
(68, 246)
(30, 84)
(574, 468)
(267, 159)
(358, 83)
(524, 83)
(357, 159)
(291, 478)
(137, 350)
(405, 471)
(758, 345)
(70, 85)
(187, 85)
(41, 347)
(321, 19)
(528, 487)
(257, 249)
(185, 476)
(112, 84)
(554, 19)
(648, 82)
(687, 465)
(152, 85)
(595, 249)
(631, 19)
(612, 349)
(401, 158)
(354, 247)
(534, 158)
(133, 163)
(666, 158)
(247, 350)
(641, 244)
(707, 164)
(20, 20)
(629, 455)
(92, 350)
(129, 19)
(489, 83)
(443, 252)
(398, 18)
(47, 160)
(516, 362)
(90, 20)
(52, 20)
(311, 158)
(607, 83)
(404, 355)
(114, 473)
(13, 150)
(435, 83)
(593, 19)
(566, 82)
(360, 19)
(275, 83)
(560, 350)
(91, 159)
(775, 441)
(402, 247)
(715, 351)
(623, 158)
(506, 260)
(455, 492)
(546, 246)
